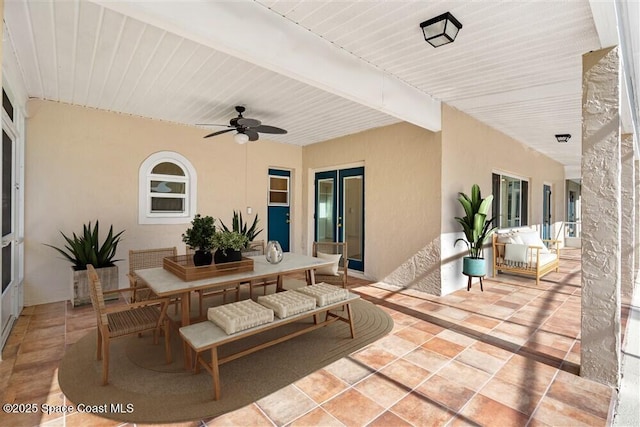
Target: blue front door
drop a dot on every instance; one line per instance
(278, 218)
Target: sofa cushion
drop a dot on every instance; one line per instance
(532, 238)
(516, 253)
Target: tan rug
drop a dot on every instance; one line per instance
(150, 391)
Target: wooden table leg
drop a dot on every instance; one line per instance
(469, 283)
(312, 276)
(186, 319)
(482, 290)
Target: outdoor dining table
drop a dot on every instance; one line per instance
(166, 284)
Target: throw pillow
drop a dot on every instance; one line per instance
(331, 270)
(515, 252)
(533, 239)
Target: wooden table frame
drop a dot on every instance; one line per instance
(165, 284)
(214, 337)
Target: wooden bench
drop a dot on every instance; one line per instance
(535, 263)
(207, 335)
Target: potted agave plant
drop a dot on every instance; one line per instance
(477, 230)
(238, 225)
(85, 248)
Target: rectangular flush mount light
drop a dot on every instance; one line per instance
(440, 30)
(563, 137)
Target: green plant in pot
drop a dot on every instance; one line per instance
(238, 225)
(86, 248)
(200, 237)
(477, 230)
(229, 245)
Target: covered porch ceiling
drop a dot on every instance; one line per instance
(324, 69)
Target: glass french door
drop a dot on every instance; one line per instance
(339, 211)
(546, 212)
(11, 296)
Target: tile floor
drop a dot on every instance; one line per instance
(507, 356)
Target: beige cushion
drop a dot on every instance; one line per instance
(515, 252)
(288, 303)
(331, 270)
(240, 315)
(532, 238)
(324, 293)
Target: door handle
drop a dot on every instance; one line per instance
(6, 242)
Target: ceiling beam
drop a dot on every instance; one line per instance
(256, 34)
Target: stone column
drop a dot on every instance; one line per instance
(636, 219)
(627, 223)
(601, 217)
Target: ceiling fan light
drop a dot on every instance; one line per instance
(241, 138)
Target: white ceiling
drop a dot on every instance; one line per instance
(320, 69)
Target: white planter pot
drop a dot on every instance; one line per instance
(80, 284)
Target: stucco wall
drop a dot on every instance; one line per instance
(402, 196)
(471, 151)
(82, 165)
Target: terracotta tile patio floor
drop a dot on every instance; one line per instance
(507, 356)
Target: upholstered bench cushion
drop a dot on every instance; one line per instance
(240, 315)
(288, 303)
(324, 293)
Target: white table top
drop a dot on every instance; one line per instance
(164, 283)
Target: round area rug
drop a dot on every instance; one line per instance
(144, 389)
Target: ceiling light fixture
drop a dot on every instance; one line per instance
(241, 138)
(563, 137)
(441, 30)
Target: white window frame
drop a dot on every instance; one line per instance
(145, 176)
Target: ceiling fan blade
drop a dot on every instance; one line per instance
(212, 124)
(253, 136)
(220, 132)
(269, 129)
(249, 123)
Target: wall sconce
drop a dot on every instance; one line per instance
(441, 30)
(563, 137)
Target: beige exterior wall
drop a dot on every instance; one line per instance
(82, 164)
(471, 151)
(402, 190)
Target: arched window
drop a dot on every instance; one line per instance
(167, 183)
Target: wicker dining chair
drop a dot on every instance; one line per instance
(258, 247)
(206, 293)
(140, 259)
(327, 250)
(121, 320)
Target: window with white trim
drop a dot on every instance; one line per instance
(167, 189)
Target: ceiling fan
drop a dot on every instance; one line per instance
(247, 129)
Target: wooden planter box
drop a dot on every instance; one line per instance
(80, 284)
(182, 266)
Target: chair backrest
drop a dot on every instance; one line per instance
(149, 258)
(97, 298)
(257, 245)
(331, 248)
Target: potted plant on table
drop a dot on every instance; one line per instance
(85, 249)
(477, 230)
(200, 237)
(239, 226)
(229, 245)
